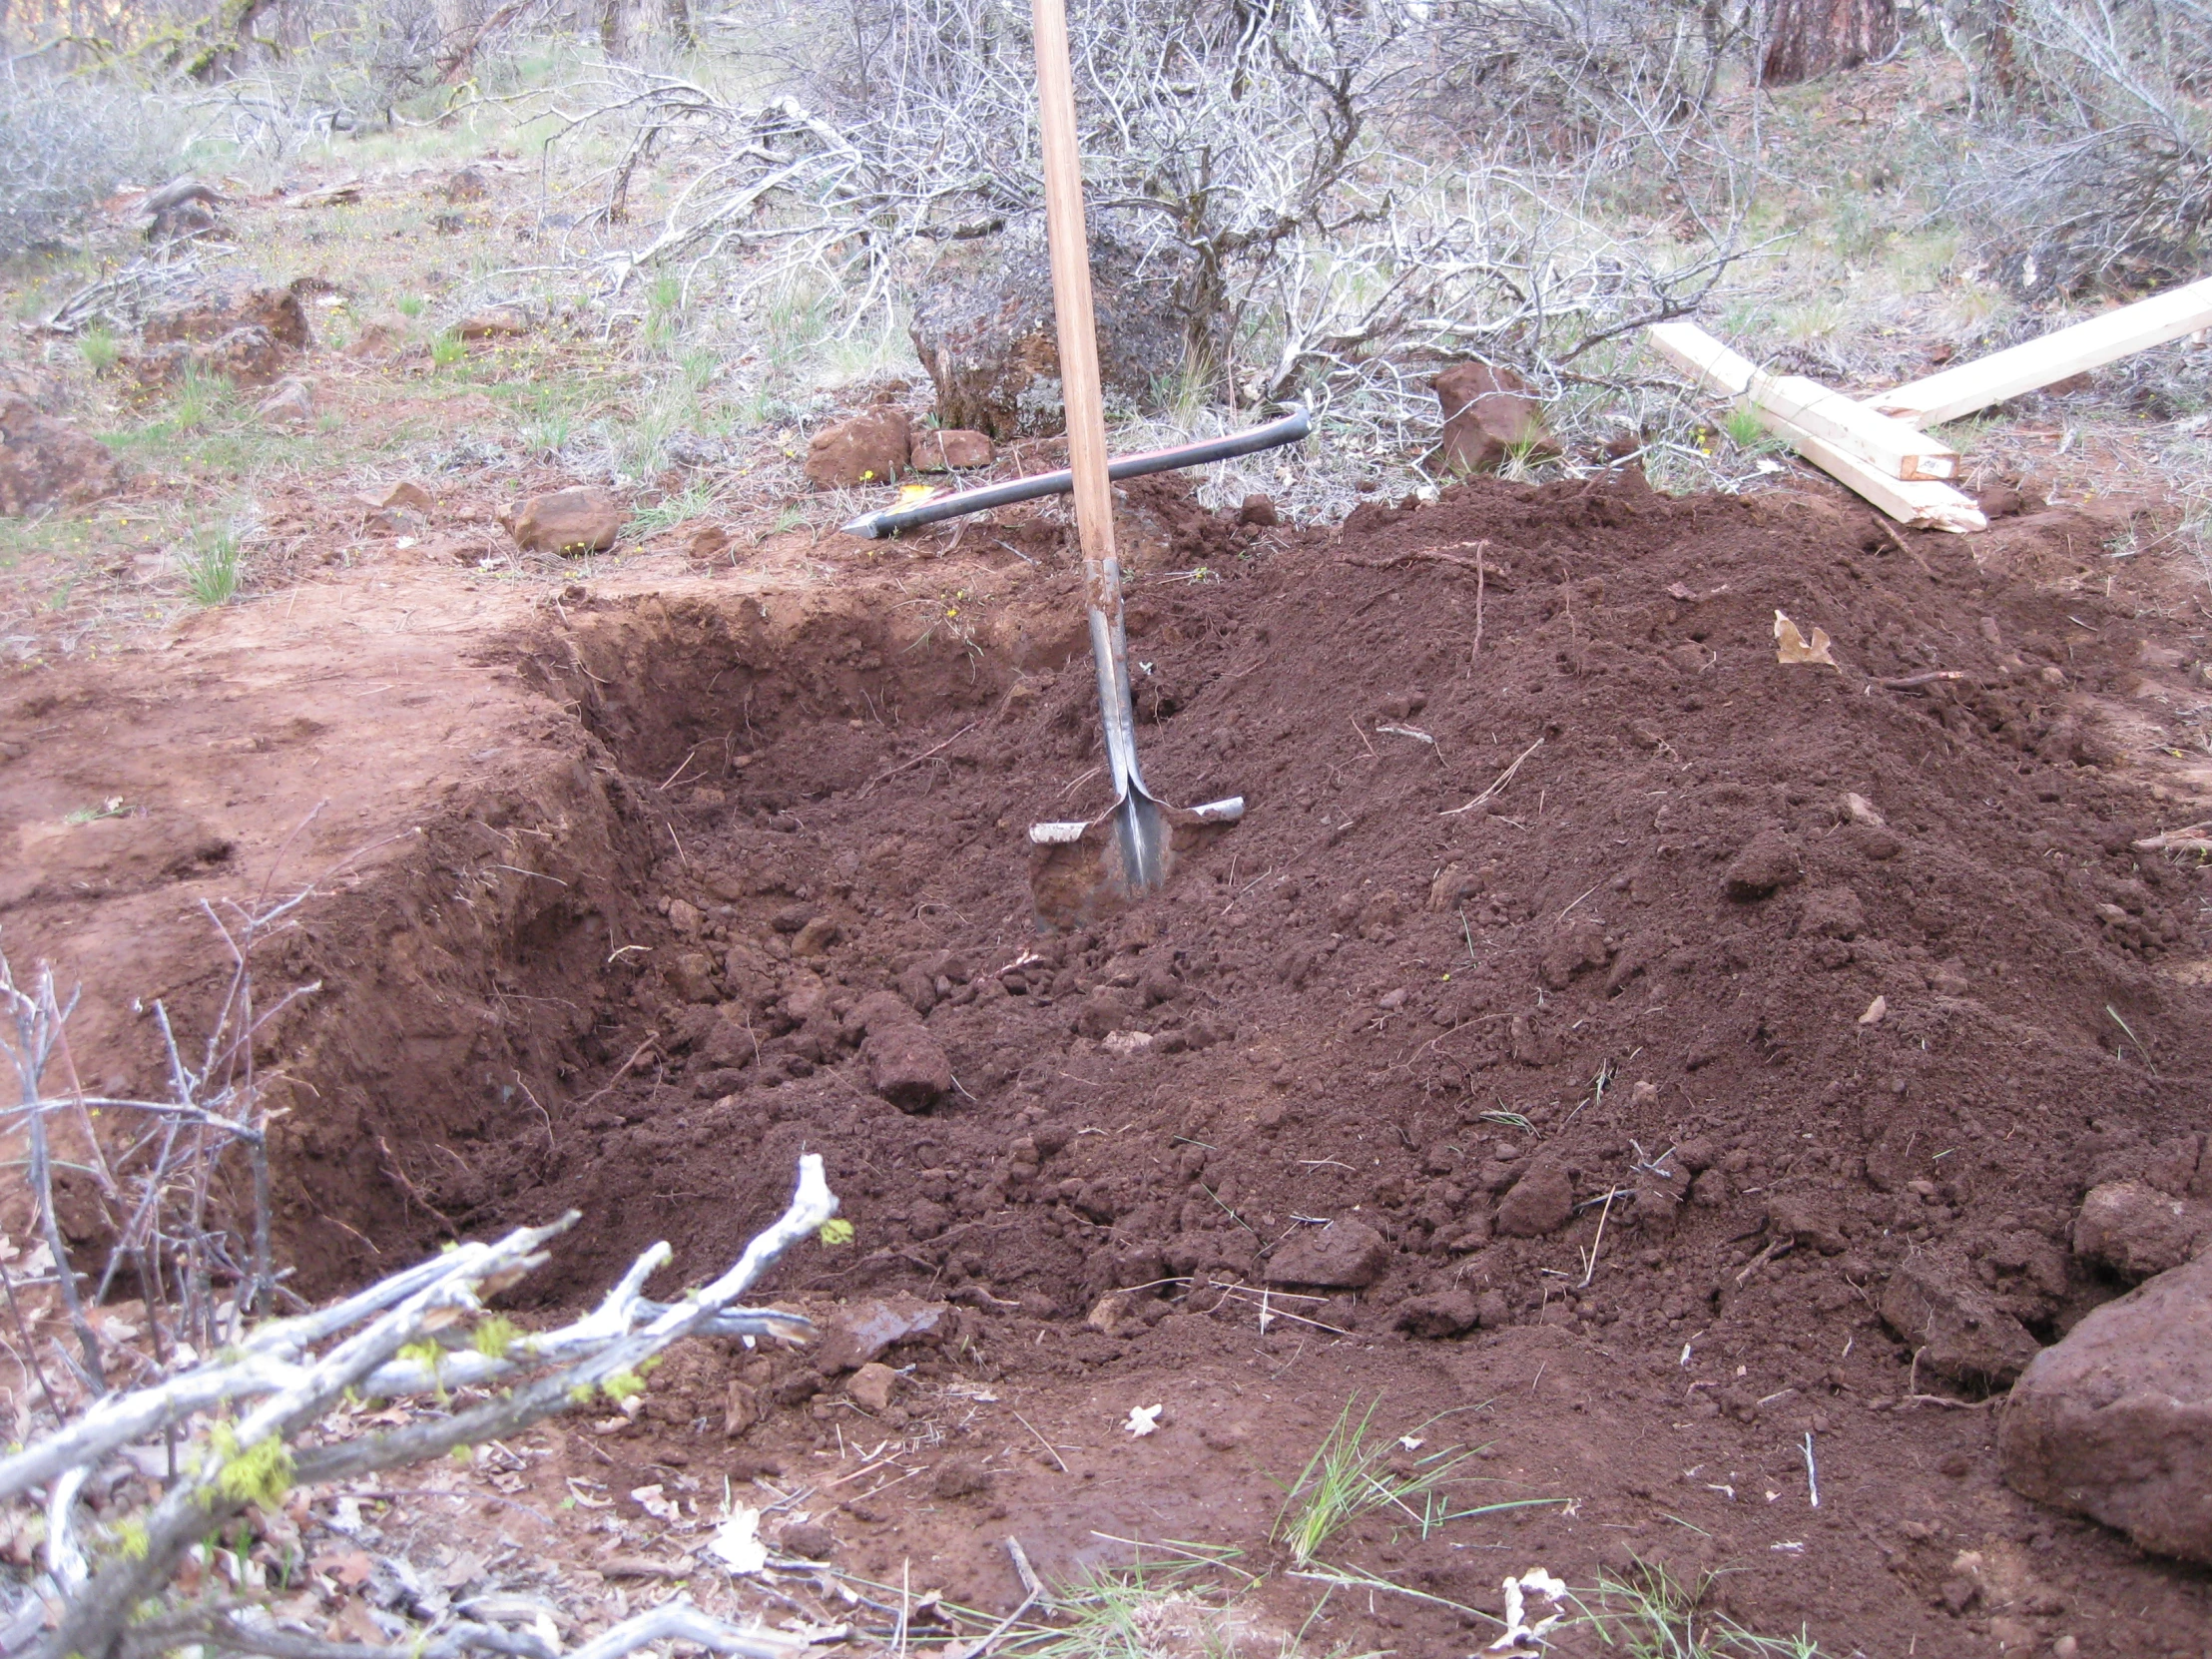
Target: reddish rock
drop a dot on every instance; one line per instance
(248, 357)
(1542, 1201)
(495, 322)
(1488, 415)
(906, 1065)
(1259, 510)
(1936, 1306)
(45, 462)
(868, 449)
(224, 309)
(862, 1330)
(951, 451)
(2115, 1421)
(585, 519)
(1344, 1254)
(291, 405)
(873, 1385)
(2137, 1230)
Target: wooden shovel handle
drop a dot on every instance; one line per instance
(1071, 303)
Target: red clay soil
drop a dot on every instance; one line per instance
(1551, 949)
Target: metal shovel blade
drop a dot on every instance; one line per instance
(1088, 869)
(1083, 871)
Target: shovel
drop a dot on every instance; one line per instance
(1088, 869)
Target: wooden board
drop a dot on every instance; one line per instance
(2068, 351)
(1923, 504)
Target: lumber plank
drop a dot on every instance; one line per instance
(2038, 363)
(1920, 503)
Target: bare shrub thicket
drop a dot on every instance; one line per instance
(2094, 154)
(1274, 162)
(66, 142)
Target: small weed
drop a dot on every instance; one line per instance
(791, 518)
(694, 500)
(99, 349)
(1742, 428)
(411, 304)
(1350, 1476)
(110, 808)
(447, 350)
(212, 569)
(195, 400)
(700, 367)
(1142, 1611)
(1650, 1614)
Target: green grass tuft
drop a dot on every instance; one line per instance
(99, 349)
(1353, 1472)
(213, 569)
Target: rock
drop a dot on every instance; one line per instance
(185, 220)
(224, 308)
(2115, 1419)
(951, 451)
(1488, 415)
(404, 497)
(871, 1386)
(871, 448)
(983, 329)
(2138, 1231)
(248, 356)
(179, 190)
(908, 1066)
(880, 1010)
(1344, 1254)
(291, 405)
(467, 184)
(46, 463)
(859, 1334)
(1935, 1303)
(1447, 1314)
(816, 938)
(584, 519)
(1259, 510)
(1770, 861)
(376, 339)
(1540, 1202)
(705, 544)
(495, 322)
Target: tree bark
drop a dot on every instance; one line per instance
(1808, 38)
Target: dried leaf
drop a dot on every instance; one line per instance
(1790, 646)
(1874, 1010)
(737, 1541)
(1143, 1420)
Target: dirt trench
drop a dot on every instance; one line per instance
(1636, 1005)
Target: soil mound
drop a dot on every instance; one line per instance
(1585, 965)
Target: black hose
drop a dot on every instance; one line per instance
(1293, 426)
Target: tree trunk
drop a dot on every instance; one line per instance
(680, 25)
(1806, 38)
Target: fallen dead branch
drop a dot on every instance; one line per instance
(418, 1332)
